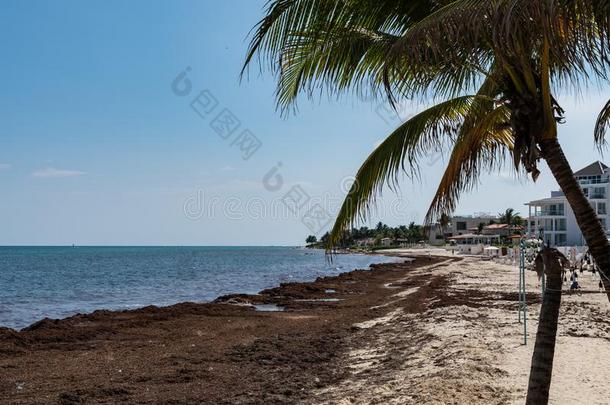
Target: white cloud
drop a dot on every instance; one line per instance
(228, 169)
(51, 172)
(5, 166)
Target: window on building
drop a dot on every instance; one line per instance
(555, 209)
(590, 179)
(598, 192)
(548, 224)
(461, 226)
(601, 208)
(561, 239)
(603, 222)
(560, 224)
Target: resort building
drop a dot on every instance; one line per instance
(472, 243)
(504, 230)
(386, 242)
(365, 242)
(461, 225)
(467, 224)
(553, 218)
(436, 234)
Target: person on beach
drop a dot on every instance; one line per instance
(575, 286)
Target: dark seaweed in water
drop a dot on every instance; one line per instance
(57, 282)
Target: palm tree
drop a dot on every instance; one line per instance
(551, 262)
(508, 216)
(511, 218)
(518, 220)
(493, 68)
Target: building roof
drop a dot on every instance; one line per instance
(594, 169)
(472, 235)
(501, 226)
(496, 226)
(475, 216)
(550, 200)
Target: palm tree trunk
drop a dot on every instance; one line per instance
(585, 215)
(544, 349)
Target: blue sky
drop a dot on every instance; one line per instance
(98, 150)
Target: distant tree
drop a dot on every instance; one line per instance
(311, 239)
(480, 228)
(365, 232)
(509, 216)
(518, 220)
(412, 233)
(506, 216)
(403, 232)
(324, 238)
(416, 232)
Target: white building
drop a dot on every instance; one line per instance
(467, 224)
(472, 243)
(436, 234)
(458, 225)
(553, 216)
(386, 242)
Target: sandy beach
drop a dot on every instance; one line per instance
(434, 330)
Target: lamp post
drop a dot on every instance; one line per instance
(522, 300)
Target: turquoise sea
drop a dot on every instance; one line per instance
(56, 282)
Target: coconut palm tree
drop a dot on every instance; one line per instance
(511, 218)
(551, 262)
(508, 216)
(491, 67)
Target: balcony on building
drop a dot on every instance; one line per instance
(547, 208)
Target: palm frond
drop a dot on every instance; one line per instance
(282, 17)
(349, 60)
(479, 148)
(601, 126)
(464, 35)
(331, 44)
(481, 145)
(425, 133)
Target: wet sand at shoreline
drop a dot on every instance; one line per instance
(436, 330)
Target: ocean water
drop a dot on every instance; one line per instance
(56, 282)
